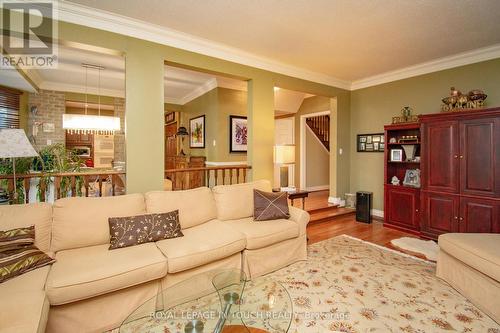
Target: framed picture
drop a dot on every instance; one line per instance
(238, 134)
(169, 117)
(412, 178)
(396, 155)
(197, 132)
(370, 143)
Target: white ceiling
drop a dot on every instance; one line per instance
(180, 86)
(344, 39)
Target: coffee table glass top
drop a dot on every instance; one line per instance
(215, 301)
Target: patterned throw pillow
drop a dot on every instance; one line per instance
(135, 230)
(16, 238)
(270, 206)
(21, 260)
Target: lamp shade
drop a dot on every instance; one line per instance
(182, 131)
(284, 154)
(15, 143)
(85, 122)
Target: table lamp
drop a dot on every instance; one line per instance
(284, 155)
(13, 144)
(182, 132)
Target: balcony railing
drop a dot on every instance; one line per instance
(188, 178)
(52, 186)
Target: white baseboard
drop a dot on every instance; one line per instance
(378, 213)
(318, 188)
(211, 163)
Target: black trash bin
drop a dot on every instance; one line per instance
(364, 206)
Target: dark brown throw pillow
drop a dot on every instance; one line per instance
(140, 229)
(270, 206)
(21, 260)
(16, 238)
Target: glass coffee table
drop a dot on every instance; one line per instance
(218, 301)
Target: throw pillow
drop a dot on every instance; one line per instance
(270, 206)
(16, 238)
(21, 260)
(135, 230)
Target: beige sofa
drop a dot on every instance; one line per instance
(470, 263)
(92, 289)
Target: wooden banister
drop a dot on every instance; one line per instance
(320, 125)
(75, 183)
(207, 176)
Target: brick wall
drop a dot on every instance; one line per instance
(51, 107)
(120, 135)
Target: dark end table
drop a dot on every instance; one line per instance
(298, 194)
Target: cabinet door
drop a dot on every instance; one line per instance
(480, 157)
(402, 208)
(479, 215)
(440, 213)
(440, 167)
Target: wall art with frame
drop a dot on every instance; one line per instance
(197, 132)
(370, 143)
(238, 134)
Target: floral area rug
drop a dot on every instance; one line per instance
(346, 285)
(349, 285)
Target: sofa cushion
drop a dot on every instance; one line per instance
(201, 245)
(236, 201)
(39, 215)
(91, 271)
(146, 228)
(24, 307)
(14, 263)
(80, 222)
(270, 206)
(24, 312)
(195, 206)
(265, 233)
(14, 238)
(479, 251)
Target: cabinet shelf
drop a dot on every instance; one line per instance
(403, 143)
(403, 162)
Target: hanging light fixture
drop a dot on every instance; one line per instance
(85, 123)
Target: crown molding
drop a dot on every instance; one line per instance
(57, 86)
(99, 19)
(198, 91)
(457, 60)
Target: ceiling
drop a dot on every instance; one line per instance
(180, 85)
(343, 39)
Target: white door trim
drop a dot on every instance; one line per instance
(303, 144)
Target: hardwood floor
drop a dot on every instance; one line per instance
(374, 232)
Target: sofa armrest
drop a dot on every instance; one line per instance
(301, 217)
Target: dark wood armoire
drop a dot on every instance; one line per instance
(460, 176)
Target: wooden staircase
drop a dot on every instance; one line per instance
(320, 209)
(320, 125)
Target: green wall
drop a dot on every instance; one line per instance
(145, 104)
(217, 105)
(374, 107)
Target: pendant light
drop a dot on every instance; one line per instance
(77, 123)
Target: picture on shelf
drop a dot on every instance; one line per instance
(412, 178)
(370, 143)
(396, 155)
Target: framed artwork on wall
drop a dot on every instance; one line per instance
(238, 134)
(370, 143)
(169, 117)
(197, 132)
